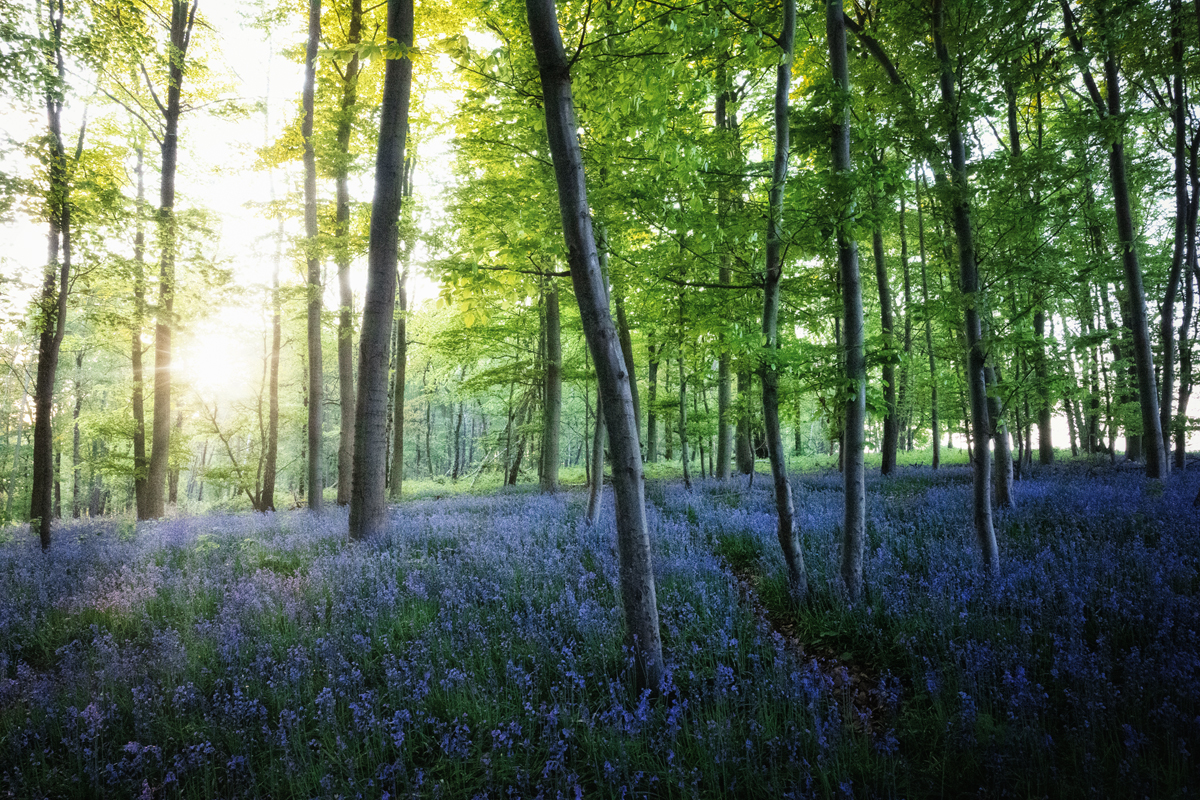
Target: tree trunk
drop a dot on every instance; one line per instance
(596, 467)
(891, 431)
(270, 462)
(850, 280)
(396, 485)
(140, 462)
(345, 350)
(969, 283)
(726, 124)
(76, 466)
(368, 502)
(1178, 253)
(552, 406)
(683, 416)
(789, 538)
(633, 536)
(316, 383)
(1147, 388)
(744, 450)
(928, 311)
(183, 16)
(652, 409)
(903, 403)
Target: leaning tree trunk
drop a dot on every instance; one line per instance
(316, 383)
(633, 535)
(182, 18)
(368, 501)
(853, 466)
(789, 538)
(345, 351)
(969, 284)
(1147, 389)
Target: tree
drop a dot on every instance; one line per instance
(368, 500)
(853, 468)
(316, 380)
(633, 536)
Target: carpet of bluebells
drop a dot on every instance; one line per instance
(475, 650)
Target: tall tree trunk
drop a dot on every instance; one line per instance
(52, 308)
(969, 284)
(316, 369)
(743, 448)
(1179, 251)
(651, 408)
(850, 280)
(633, 535)
(891, 431)
(368, 502)
(1003, 451)
(552, 406)
(1042, 374)
(928, 312)
(76, 465)
(789, 538)
(270, 462)
(683, 416)
(596, 467)
(173, 474)
(183, 16)
(395, 487)
(140, 462)
(1191, 279)
(1147, 388)
(903, 403)
(726, 125)
(345, 350)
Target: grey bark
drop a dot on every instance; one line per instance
(633, 535)
(368, 499)
(183, 17)
(969, 284)
(552, 405)
(928, 311)
(345, 351)
(652, 410)
(789, 538)
(316, 383)
(891, 430)
(1109, 109)
(853, 467)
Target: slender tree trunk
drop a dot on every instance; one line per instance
(683, 417)
(928, 312)
(1191, 278)
(183, 16)
(726, 126)
(850, 280)
(345, 350)
(140, 462)
(1179, 251)
(633, 536)
(969, 280)
(652, 409)
(744, 450)
(596, 467)
(1147, 388)
(891, 431)
(270, 462)
(368, 502)
(552, 407)
(76, 465)
(903, 402)
(1003, 451)
(316, 382)
(397, 472)
(789, 538)
(173, 473)
(52, 310)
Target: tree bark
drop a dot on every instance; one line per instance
(140, 462)
(316, 381)
(552, 405)
(368, 501)
(1179, 251)
(928, 311)
(789, 538)
(52, 310)
(726, 125)
(652, 410)
(850, 280)
(270, 462)
(183, 17)
(76, 465)
(891, 431)
(1110, 109)
(633, 536)
(969, 284)
(345, 350)
(396, 485)
(744, 450)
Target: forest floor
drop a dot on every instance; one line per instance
(474, 650)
